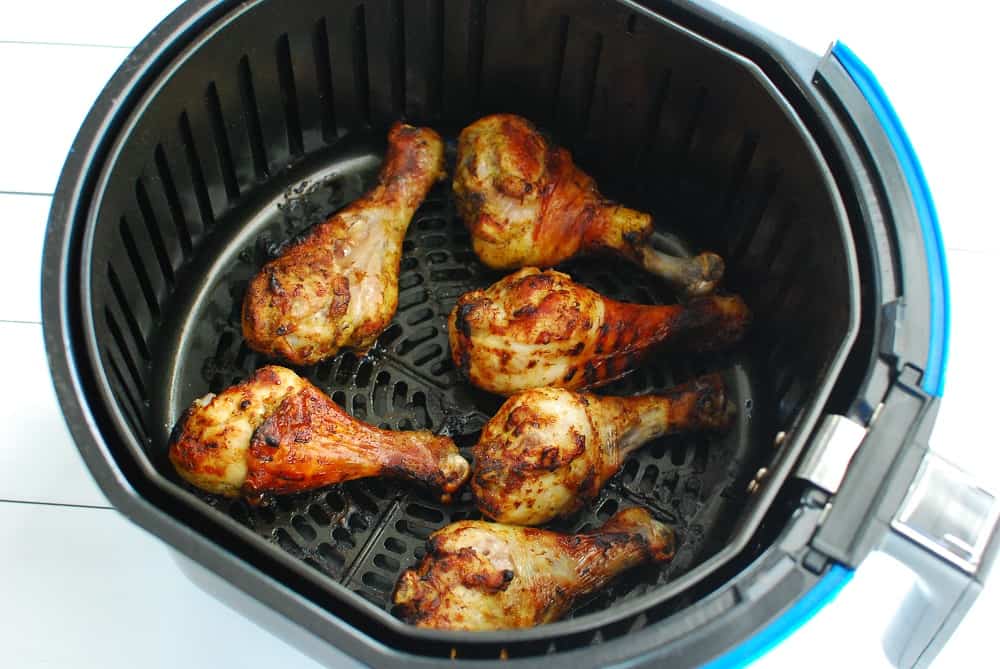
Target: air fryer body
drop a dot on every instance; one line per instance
(233, 126)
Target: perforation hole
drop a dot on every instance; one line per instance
(692, 487)
(420, 409)
(364, 375)
(412, 298)
(413, 529)
(419, 316)
(427, 354)
(358, 522)
(348, 364)
(303, 527)
(427, 224)
(364, 502)
(380, 393)
(331, 555)
(399, 395)
(285, 541)
(318, 515)
(669, 483)
(410, 280)
(608, 509)
(377, 487)
(385, 562)
(343, 537)
(395, 545)
(419, 336)
(452, 274)
(424, 513)
(630, 470)
(335, 501)
(394, 332)
(359, 408)
(649, 478)
(658, 449)
(441, 367)
(699, 456)
(433, 241)
(377, 581)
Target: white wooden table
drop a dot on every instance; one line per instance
(82, 587)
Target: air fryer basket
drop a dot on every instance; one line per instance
(269, 116)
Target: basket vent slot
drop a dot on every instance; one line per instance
(124, 351)
(360, 53)
(397, 57)
(591, 63)
(324, 81)
(651, 128)
(173, 201)
(476, 45)
(251, 117)
(132, 412)
(139, 268)
(153, 231)
(218, 124)
(130, 321)
(558, 61)
(289, 99)
(194, 167)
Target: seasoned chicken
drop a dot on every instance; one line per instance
(534, 329)
(550, 450)
(527, 205)
(487, 576)
(278, 433)
(338, 287)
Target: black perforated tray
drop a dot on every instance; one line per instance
(364, 533)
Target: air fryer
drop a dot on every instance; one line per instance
(235, 126)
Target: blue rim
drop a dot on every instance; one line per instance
(788, 622)
(940, 325)
(937, 351)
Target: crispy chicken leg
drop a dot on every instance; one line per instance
(550, 450)
(278, 433)
(534, 329)
(338, 287)
(487, 576)
(527, 205)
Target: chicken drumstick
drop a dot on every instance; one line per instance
(527, 205)
(550, 450)
(487, 576)
(338, 287)
(534, 329)
(278, 433)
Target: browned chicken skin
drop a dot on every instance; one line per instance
(550, 450)
(278, 433)
(527, 205)
(535, 329)
(488, 576)
(338, 287)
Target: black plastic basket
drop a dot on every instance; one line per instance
(236, 125)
